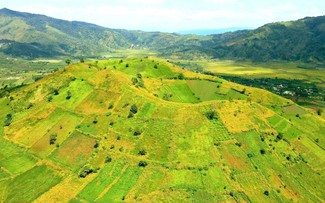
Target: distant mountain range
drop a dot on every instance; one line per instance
(33, 36)
(205, 32)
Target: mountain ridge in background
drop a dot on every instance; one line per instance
(33, 36)
(205, 32)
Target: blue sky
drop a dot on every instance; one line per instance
(172, 15)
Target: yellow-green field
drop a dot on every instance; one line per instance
(145, 130)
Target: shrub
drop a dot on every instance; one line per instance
(86, 170)
(53, 138)
(49, 99)
(211, 115)
(110, 106)
(96, 144)
(68, 61)
(142, 152)
(8, 120)
(68, 95)
(143, 163)
(266, 193)
(181, 76)
(319, 112)
(262, 151)
(134, 109)
(108, 159)
(137, 132)
(56, 92)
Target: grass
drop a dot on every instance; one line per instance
(30, 184)
(18, 163)
(122, 187)
(107, 175)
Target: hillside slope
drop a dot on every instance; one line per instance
(33, 36)
(143, 130)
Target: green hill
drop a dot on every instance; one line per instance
(34, 36)
(144, 130)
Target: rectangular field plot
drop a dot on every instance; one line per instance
(147, 110)
(8, 149)
(251, 142)
(205, 90)
(254, 186)
(106, 176)
(31, 132)
(62, 129)
(122, 187)
(30, 185)
(18, 163)
(75, 151)
(221, 132)
(236, 158)
(178, 91)
(78, 89)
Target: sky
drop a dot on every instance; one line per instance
(172, 15)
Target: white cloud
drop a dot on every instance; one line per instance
(146, 1)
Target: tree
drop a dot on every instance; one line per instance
(53, 138)
(68, 95)
(319, 112)
(82, 60)
(142, 152)
(262, 151)
(211, 115)
(56, 92)
(8, 120)
(68, 61)
(108, 159)
(134, 109)
(266, 193)
(143, 163)
(96, 144)
(181, 76)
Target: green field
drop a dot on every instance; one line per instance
(170, 135)
(30, 184)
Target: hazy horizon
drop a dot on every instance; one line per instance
(171, 16)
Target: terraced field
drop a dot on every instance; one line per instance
(144, 130)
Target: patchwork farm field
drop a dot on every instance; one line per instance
(145, 130)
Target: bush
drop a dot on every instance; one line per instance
(53, 138)
(181, 76)
(137, 132)
(108, 159)
(49, 99)
(143, 163)
(262, 151)
(8, 120)
(134, 109)
(142, 152)
(86, 170)
(56, 92)
(68, 95)
(211, 115)
(266, 193)
(96, 144)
